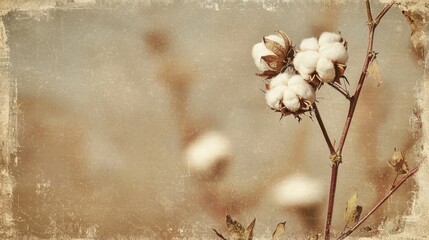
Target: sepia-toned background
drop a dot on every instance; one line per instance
(110, 96)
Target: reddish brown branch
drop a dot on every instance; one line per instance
(322, 127)
(384, 199)
(372, 24)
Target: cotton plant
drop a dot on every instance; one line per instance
(292, 76)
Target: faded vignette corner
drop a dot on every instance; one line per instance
(417, 222)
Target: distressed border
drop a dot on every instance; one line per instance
(417, 223)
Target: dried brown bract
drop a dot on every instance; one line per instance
(353, 210)
(398, 162)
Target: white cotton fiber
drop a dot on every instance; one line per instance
(296, 79)
(336, 52)
(259, 50)
(280, 79)
(306, 72)
(297, 61)
(304, 90)
(309, 44)
(274, 96)
(325, 69)
(309, 59)
(290, 100)
(328, 37)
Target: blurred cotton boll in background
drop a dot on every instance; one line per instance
(302, 195)
(208, 155)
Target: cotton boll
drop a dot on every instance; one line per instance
(328, 37)
(325, 47)
(309, 44)
(290, 100)
(274, 97)
(298, 191)
(276, 38)
(280, 79)
(208, 150)
(306, 62)
(336, 53)
(304, 90)
(306, 72)
(309, 59)
(258, 51)
(297, 61)
(325, 69)
(303, 195)
(296, 79)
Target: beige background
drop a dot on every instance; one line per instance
(99, 148)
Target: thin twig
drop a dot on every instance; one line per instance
(384, 199)
(368, 12)
(382, 13)
(394, 181)
(353, 102)
(340, 90)
(322, 127)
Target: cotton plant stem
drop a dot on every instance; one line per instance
(384, 199)
(372, 24)
(322, 127)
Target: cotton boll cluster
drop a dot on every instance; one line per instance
(326, 57)
(289, 93)
(271, 55)
(292, 77)
(208, 155)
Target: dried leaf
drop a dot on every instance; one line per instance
(374, 72)
(219, 235)
(340, 69)
(398, 162)
(235, 229)
(275, 47)
(280, 229)
(353, 211)
(274, 62)
(268, 74)
(248, 233)
(288, 42)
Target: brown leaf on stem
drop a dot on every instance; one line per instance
(235, 229)
(353, 211)
(398, 162)
(280, 229)
(374, 72)
(267, 74)
(248, 233)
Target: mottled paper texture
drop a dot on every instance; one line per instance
(107, 109)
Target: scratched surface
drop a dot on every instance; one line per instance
(100, 148)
